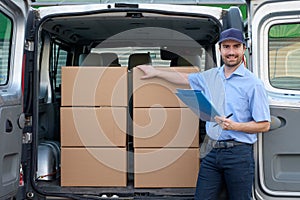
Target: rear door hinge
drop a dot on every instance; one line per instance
(29, 45)
(27, 138)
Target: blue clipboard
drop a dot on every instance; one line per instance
(198, 103)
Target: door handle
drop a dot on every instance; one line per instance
(276, 122)
(8, 126)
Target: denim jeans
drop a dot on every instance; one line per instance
(233, 167)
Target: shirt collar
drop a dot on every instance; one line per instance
(240, 71)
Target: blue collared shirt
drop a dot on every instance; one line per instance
(244, 96)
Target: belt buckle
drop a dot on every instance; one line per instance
(229, 144)
(224, 144)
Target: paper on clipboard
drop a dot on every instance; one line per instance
(198, 103)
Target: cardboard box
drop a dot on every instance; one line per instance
(93, 167)
(93, 127)
(161, 168)
(94, 86)
(157, 92)
(165, 127)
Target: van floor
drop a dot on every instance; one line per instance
(53, 187)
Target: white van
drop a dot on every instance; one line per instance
(75, 123)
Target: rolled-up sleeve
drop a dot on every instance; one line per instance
(259, 104)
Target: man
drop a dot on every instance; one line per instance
(241, 97)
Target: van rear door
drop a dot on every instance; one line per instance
(12, 20)
(276, 53)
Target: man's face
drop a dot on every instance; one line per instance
(232, 53)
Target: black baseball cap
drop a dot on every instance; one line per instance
(232, 34)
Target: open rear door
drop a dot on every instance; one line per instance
(276, 53)
(12, 20)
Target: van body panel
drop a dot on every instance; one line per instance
(275, 42)
(13, 19)
(50, 10)
(136, 2)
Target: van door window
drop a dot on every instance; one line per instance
(59, 59)
(5, 43)
(124, 53)
(284, 54)
(157, 59)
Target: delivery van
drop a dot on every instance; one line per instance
(77, 122)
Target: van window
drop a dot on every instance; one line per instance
(5, 44)
(284, 54)
(124, 53)
(155, 54)
(59, 59)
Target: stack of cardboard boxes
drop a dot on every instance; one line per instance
(166, 134)
(93, 126)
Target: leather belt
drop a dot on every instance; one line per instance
(223, 144)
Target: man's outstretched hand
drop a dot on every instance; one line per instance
(149, 71)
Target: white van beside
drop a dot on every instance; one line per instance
(78, 123)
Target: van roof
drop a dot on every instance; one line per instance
(178, 2)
